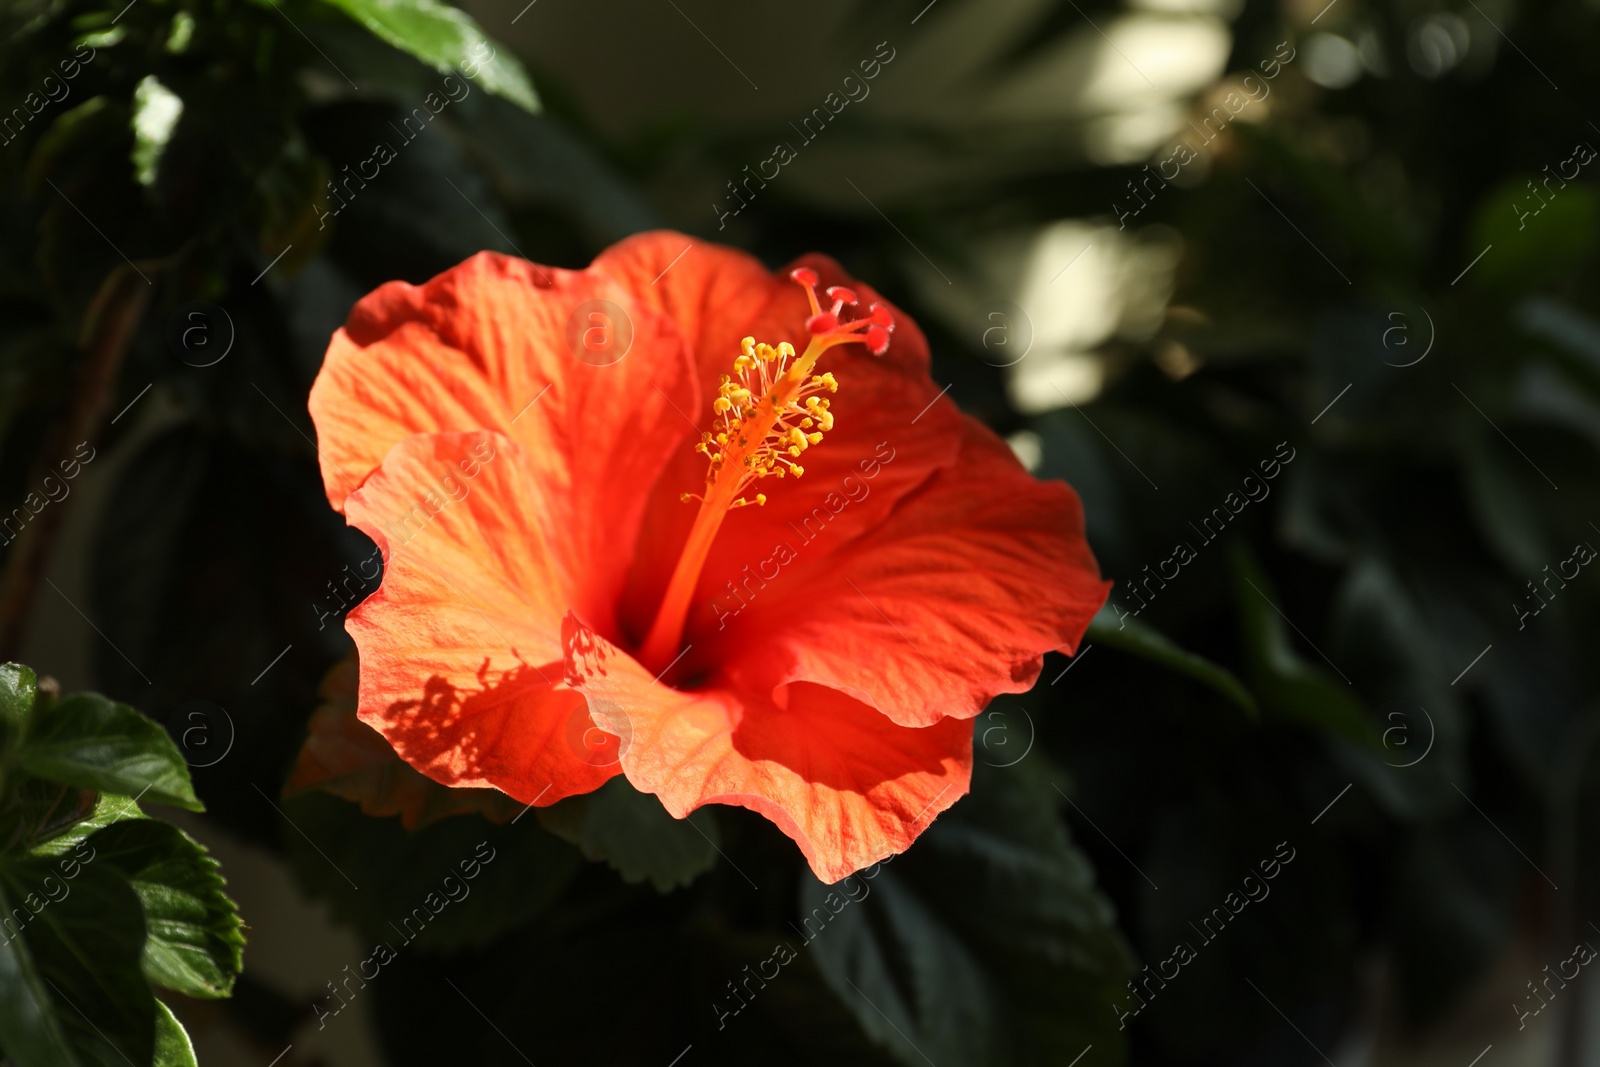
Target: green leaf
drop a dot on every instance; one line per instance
(1505, 513)
(69, 965)
(36, 810)
(1533, 239)
(1290, 685)
(94, 743)
(1378, 629)
(985, 943)
(108, 808)
(633, 833)
(1140, 639)
(461, 882)
(18, 687)
(1568, 328)
(195, 943)
(446, 39)
(173, 1048)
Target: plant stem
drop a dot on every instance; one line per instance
(108, 326)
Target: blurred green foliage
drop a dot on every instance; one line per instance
(1372, 669)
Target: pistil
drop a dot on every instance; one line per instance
(767, 417)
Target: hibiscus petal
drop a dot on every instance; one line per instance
(461, 645)
(849, 786)
(349, 759)
(887, 406)
(498, 343)
(713, 294)
(951, 602)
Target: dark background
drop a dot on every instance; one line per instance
(1356, 266)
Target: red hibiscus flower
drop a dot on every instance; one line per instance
(677, 517)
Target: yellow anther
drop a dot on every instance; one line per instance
(768, 414)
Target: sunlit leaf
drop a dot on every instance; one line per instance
(195, 941)
(173, 1048)
(18, 685)
(94, 743)
(446, 39)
